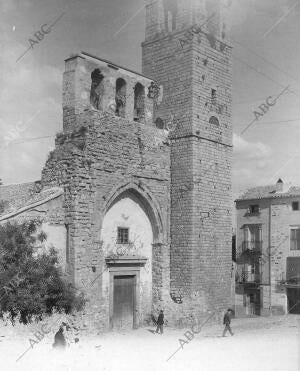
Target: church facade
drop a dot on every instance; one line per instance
(139, 185)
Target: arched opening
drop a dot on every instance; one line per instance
(139, 102)
(214, 121)
(170, 11)
(127, 228)
(120, 97)
(96, 88)
(127, 235)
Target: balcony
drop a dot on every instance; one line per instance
(293, 281)
(252, 247)
(249, 278)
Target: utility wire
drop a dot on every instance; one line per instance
(52, 136)
(279, 122)
(30, 139)
(238, 59)
(263, 74)
(266, 60)
(250, 101)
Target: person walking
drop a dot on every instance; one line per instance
(160, 322)
(227, 321)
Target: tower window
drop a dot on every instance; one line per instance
(123, 235)
(295, 206)
(295, 238)
(214, 121)
(120, 97)
(139, 102)
(96, 88)
(213, 96)
(170, 9)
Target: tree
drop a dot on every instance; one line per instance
(31, 283)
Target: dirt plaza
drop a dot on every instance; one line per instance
(261, 343)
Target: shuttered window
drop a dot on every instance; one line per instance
(293, 269)
(295, 239)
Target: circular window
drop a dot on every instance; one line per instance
(213, 120)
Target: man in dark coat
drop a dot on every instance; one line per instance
(226, 322)
(160, 322)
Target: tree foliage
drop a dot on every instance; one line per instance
(31, 283)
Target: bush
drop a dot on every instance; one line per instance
(31, 283)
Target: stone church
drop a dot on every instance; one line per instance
(137, 194)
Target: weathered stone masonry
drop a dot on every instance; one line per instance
(197, 86)
(113, 153)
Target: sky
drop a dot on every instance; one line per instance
(266, 60)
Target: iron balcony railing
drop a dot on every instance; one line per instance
(254, 247)
(246, 277)
(292, 280)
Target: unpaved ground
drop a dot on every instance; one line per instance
(267, 344)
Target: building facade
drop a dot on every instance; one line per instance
(144, 167)
(268, 250)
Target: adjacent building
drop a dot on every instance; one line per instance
(268, 250)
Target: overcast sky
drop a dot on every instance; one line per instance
(265, 35)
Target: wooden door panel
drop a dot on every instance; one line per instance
(123, 303)
(293, 296)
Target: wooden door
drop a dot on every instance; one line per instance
(123, 302)
(257, 305)
(293, 296)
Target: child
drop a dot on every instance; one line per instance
(226, 322)
(160, 323)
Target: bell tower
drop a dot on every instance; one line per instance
(187, 51)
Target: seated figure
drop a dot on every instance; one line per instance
(59, 339)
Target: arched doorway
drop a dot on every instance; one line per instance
(127, 233)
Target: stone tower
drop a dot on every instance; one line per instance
(187, 51)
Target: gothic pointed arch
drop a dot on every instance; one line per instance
(142, 195)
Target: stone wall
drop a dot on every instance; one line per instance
(195, 69)
(77, 83)
(100, 155)
(92, 165)
(49, 212)
(15, 195)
